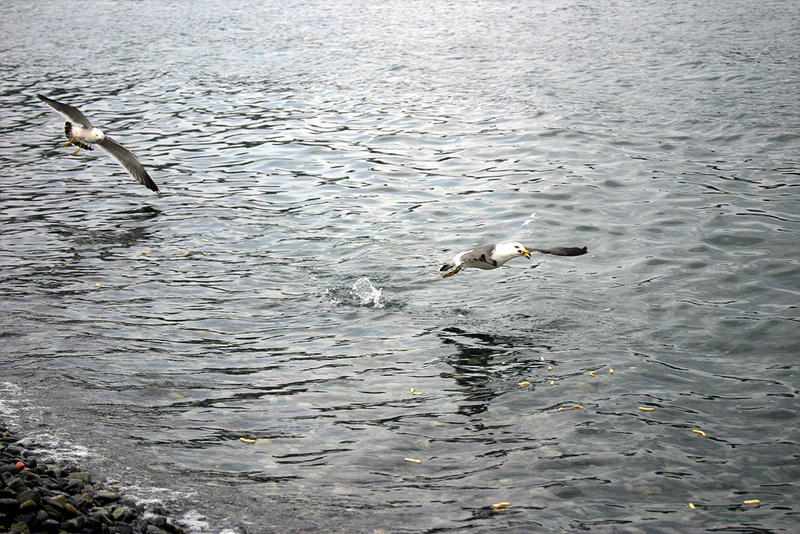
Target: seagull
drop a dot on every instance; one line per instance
(494, 255)
(81, 134)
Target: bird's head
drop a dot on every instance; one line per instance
(507, 251)
(98, 134)
(520, 249)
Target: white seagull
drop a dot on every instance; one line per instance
(494, 255)
(81, 133)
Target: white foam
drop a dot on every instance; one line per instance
(369, 294)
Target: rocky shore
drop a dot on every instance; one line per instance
(38, 495)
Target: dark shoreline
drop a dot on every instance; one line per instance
(40, 495)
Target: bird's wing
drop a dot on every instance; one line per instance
(70, 113)
(562, 251)
(482, 254)
(125, 157)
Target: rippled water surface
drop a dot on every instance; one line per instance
(318, 162)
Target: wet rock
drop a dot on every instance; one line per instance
(105, 497)
(50, 525)
(29, 495)
(57, 501)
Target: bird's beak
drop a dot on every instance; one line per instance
(525, 253)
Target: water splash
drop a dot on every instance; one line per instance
(367, 293)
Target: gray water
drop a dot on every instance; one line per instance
(319, 161)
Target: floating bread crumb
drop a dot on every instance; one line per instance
(591, 373)
(247, 440)
(611, 371)
(552, 382)
(413, 460)
(692, 506)
(549, 367)
(752, 501)
(577, 406)
(645, 409)
(523, 384)
(500, 505)
(699, 432)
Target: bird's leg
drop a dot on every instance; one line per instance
(76, 152)
(452, 273)
(70, 141)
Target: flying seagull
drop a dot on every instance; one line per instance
(81, 133)
(494, 255)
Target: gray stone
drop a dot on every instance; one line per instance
(29, 495)
(105, 497)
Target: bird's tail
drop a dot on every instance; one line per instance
(562, 251)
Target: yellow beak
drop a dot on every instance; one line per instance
(525, 253)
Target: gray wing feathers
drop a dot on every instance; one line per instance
(482, 253)
(562, 251)
(125, 157)
(68, 112)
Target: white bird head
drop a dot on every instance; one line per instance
(98, 135)
(506, 251)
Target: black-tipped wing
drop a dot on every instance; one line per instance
(562, 251)
(70, 113)
(125, 157)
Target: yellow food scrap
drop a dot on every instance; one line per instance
(561, 409)
(541, 358)
(501, 505)
(523, 384)
(699, 432)
(752, 501)
(644, 409)
(413, 460)
(411, 390)
(552, 382)
(183, 253)
(577, 406)
(247, 440)
(145, 252)
(502, 363)
(692, 506)
(97, 285)
(549, 367)
(591, 373)
(611, 371)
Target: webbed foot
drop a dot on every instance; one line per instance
(451, 273)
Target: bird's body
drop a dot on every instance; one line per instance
(82, 134)
(493, 256)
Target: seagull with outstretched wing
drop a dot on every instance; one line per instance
(82, 134)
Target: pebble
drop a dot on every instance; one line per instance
(39, 496)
